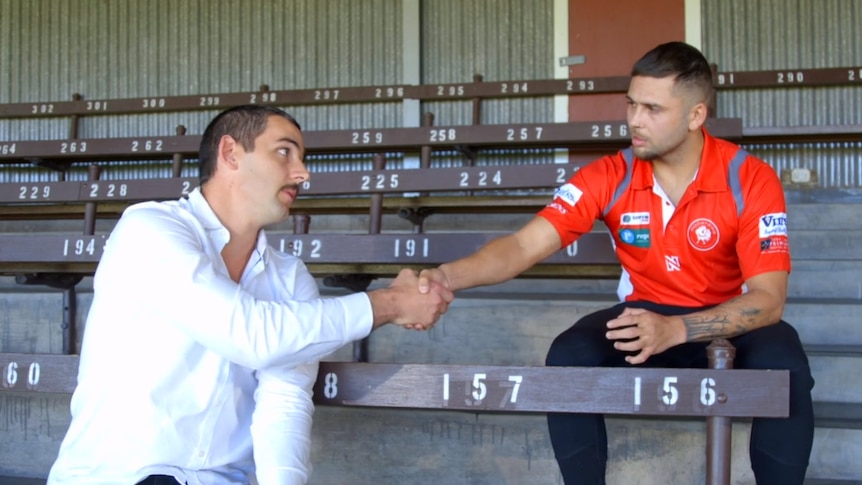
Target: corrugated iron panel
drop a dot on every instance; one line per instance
(106, 50)
(745, 35)
(501, 40)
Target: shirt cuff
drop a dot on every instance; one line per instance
(358, 314)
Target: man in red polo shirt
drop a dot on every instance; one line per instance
(699, 226)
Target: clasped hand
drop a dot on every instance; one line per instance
(420, 310)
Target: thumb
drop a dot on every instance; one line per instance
(632, 311)
(424, 284)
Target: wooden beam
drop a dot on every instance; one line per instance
(638, 391)
(340, 253)
(635, 391)
(784, 78)
(585, 136)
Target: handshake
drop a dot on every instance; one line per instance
(412, 300)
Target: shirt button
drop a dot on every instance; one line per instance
(200, 454)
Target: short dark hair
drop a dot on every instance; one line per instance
(243, 123)
(686, 63)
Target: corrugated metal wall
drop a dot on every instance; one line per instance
(104, 49)
(502, 40)
(107, 49)
(744, 35)
(114, 49)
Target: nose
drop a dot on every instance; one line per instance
(633, 115)
(299, 173)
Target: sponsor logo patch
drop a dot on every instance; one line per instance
(635, 237)
(774, 224)
(672, 263)
(558, 207)
(635, 219)
(569, 194)
(774, 244)
(703, 234)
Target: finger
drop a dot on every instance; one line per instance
(626, 311)
(622, 321)
(639, 358)
(629, 345)
(630, 332)
(444, 293)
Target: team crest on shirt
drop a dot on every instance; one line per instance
(703, 234)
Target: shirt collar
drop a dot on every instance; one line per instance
(215, 229)
(710, 175)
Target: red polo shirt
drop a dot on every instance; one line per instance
(729, 225)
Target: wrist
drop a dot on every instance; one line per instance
(682, 332)
(383, 309)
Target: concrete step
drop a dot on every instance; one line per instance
(832, 350)
(836, 377)
(840, 415)
(22, 481)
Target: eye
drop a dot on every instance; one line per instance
(284, 151)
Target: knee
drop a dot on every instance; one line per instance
(577, 349)
(777, 347)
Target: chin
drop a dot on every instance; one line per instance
(645, 154)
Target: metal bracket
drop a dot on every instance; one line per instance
(572, 60)
(54, 280)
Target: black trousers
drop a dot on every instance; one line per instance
(779, 447)
(159, 480)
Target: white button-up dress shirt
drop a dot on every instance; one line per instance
(182, 369)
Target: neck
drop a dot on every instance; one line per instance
(242, 231)
(675, 170)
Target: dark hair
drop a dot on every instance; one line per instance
(244, 123)
(681, 60)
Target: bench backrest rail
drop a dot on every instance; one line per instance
(783, 78)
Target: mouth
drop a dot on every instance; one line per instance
(291, 190)
(638, 141)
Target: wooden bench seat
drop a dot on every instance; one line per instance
(717, 394)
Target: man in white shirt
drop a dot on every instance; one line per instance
(202, 339)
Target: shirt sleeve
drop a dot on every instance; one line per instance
(580, 201)
(159, 256)
(762, 244)
(282, 418)
(281, 425)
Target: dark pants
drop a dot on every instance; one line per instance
(159, 480)
(779, 447)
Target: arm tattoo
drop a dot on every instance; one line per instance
(712, 325)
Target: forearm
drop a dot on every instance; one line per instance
(496, 262)
(755, 309)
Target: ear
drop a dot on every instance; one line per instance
(697, 116)
(228, 152)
